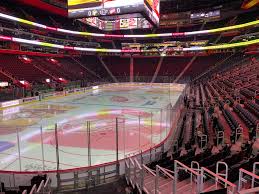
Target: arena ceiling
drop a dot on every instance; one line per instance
(167, 6)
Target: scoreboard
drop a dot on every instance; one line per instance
(96, 8)
(92, 8)
(117, 24)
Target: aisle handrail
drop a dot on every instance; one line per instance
(149, 170)
(164, 170)
(41, 186)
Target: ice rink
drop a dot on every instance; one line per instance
(91, 127)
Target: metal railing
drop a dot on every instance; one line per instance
(220, 182)
(44, 188)
(248, 182)
(164, 179)
(190, 185)
(149, 179)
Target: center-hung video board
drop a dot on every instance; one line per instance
(97, 8)
(117, 24)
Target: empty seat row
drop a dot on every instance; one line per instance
(246, 116)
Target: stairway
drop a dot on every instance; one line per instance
(11, 77)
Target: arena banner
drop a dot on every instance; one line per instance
(70, 91)
(61, 93)
(47, 95)
(9, 111)
(10, 103)
(53, 94)
(30, 99)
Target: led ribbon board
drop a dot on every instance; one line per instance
(182, 34)
(103, 50)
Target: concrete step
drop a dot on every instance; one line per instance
(167, 187)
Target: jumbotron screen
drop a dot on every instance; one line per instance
(92, 8)
(117, 24)
(96, 8)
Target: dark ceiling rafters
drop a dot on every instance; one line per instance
(166, 6)
(44, 6)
